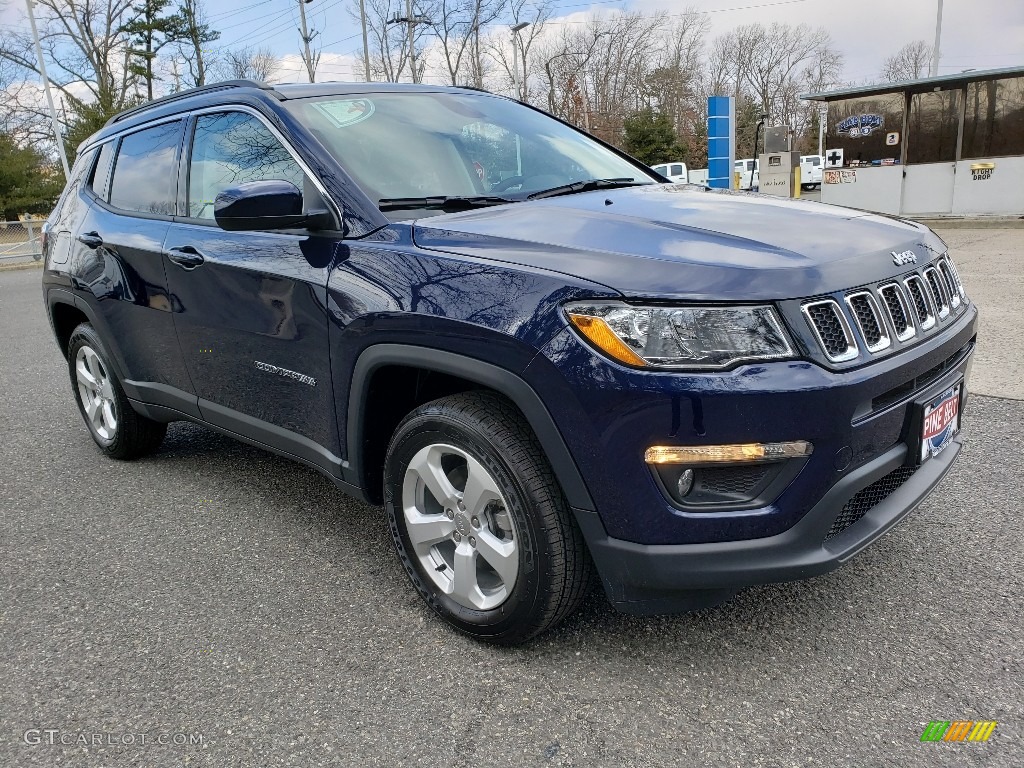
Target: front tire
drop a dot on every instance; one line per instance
(479, 521)
(118, 430)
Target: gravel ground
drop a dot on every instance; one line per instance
(218, 593)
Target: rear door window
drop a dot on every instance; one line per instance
(144, 172)
(677, 170)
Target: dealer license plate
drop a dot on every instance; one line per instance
(941, 421)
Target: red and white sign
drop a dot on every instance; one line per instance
(941, 422)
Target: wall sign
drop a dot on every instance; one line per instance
(892, 138)
(982, 171)
(840, 177)
(860, 125)
(834, 158)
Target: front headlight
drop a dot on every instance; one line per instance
(681, 337)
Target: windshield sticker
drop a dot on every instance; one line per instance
(347, 111)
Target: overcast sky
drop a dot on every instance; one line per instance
(979, 34)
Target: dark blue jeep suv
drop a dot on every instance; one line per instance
(542, 359)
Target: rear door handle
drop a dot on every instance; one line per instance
(186, 256)
(90, 239)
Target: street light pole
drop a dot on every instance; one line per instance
(49, 95)
(515, 58)
(938, 39)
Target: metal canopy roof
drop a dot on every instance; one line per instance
(920, 84)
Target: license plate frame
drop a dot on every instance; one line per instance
(939, 421)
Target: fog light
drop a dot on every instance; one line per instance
(709, 454)
(685, 482)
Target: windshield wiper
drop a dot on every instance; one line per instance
(441, 202)
(585, 186)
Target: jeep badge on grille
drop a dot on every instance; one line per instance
(904, 257)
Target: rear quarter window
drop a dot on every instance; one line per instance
(100, 177)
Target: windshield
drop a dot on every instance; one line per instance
(417, 145)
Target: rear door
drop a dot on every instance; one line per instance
(117, 260)
(251, 307)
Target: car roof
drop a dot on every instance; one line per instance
(257, 94)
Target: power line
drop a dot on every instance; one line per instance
(225, 14)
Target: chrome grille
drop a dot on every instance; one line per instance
(898, 307)
(956, 277)
(919, 295)
(951, 285)
(939, 299)
(869, 320)
(888, 314)
(831, 330)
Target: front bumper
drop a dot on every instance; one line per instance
(655, 558)
(667, 578)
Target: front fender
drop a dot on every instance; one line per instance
(486, 375)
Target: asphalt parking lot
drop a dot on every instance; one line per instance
(218, 595)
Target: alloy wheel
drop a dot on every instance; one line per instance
(459, 526)
(96, 392)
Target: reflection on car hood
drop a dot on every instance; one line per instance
(678, 241)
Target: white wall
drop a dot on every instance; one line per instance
(1002, 193)
(928, 188)
(873, 189)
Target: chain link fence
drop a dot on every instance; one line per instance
(19, 241)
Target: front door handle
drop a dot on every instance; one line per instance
(90, 239)
(186, 256)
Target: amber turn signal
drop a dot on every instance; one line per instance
(601, 336)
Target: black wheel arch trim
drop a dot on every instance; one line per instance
(488, 375)
(64, 296)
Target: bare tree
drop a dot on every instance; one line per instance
(767, 68)
(499, 48)
(194, 39)
(458, 25)
(85, 45)
(909, 63)
(388, 42)
(247, 63)
(599, 72)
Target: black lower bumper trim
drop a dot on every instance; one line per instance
(669, 578)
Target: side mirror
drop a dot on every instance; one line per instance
(272, 204)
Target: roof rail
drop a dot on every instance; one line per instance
(213, 87)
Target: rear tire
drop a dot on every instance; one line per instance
(118, 430)
(479, 521)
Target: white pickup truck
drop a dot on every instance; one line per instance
(810, 171)
(749, 174)
(674, 171)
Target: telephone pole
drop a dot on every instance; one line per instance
(411, 24)
(306, 38)
(366, 45)
(410, 21)
(49, 95)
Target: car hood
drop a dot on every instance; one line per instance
(677, 241)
